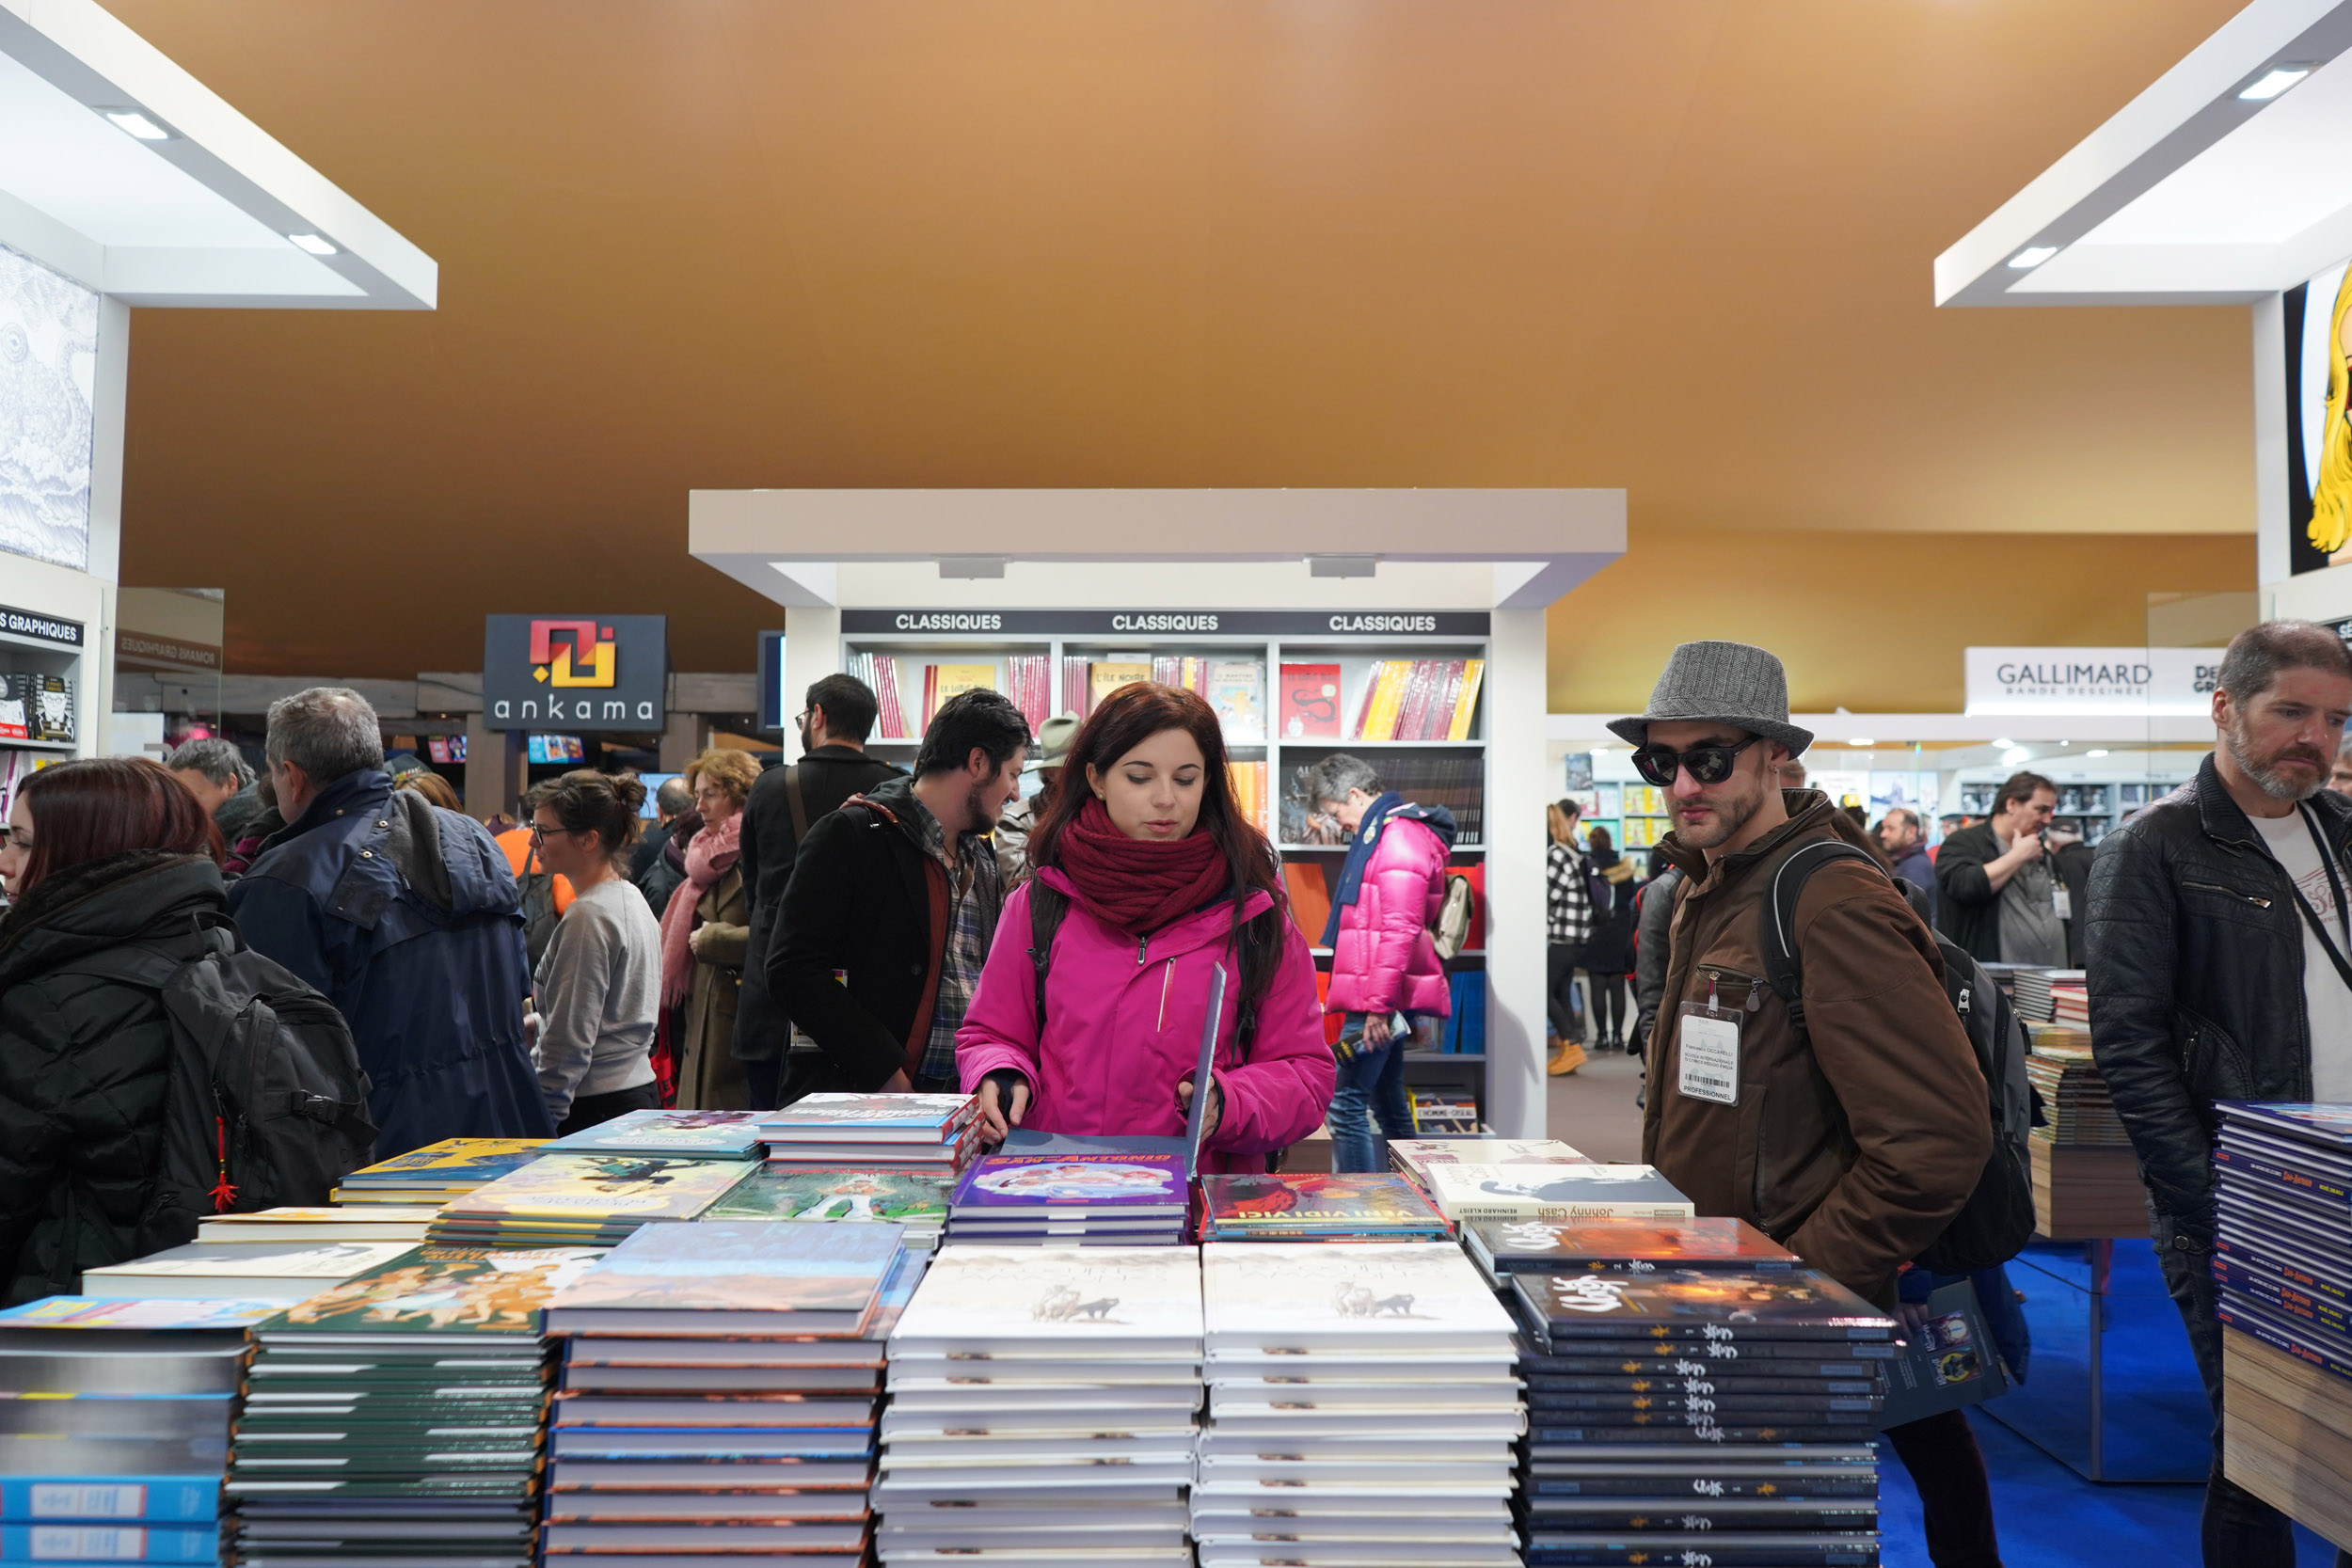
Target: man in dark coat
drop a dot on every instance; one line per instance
(836, 717)
(1995, 892)
(670, 802)
(891, 908)
(407, 917)
(1904, 838)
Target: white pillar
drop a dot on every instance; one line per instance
(1517, 787)
(812, 650)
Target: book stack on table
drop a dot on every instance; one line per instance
(916, 1203)
(685, 1135)
(718, 1394)
(400, 1415)
(1099, 1196)
(284, 1272)
(1362, 1408)
(1464, 1193)
(404, 1223)
(2077, 1106)
(1412, 1157)
(114, 1426)
(935, 1134)
(1311, 1207)
(1042, 1407)
(585, 1199)
(1689, 1410)
(438, 1172)
(2284, 1252)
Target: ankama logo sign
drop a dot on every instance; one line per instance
(575, 672)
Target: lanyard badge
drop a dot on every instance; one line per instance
(1708, 1050)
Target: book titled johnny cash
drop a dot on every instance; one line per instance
(1698, 1307)
(1467, 1193)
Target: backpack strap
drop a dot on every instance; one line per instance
(797, 806)
(1782, 969)
(1047, 906)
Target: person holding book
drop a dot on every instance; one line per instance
(599, 987)
(1385, 969)
(1091, 1009)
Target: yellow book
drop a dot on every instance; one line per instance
(1105, 677)
(1465, 705)
(943, 681)
(1387, 699)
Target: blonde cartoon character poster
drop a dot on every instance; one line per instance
(2318, 319)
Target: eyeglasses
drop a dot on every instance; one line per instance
(1708, 765)
(540, 831)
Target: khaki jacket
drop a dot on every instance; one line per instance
(1855, 1139)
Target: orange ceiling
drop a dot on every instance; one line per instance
(1676, 245)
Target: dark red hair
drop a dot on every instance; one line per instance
(102, 806)
(1126, 718)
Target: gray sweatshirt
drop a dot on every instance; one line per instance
(599, 989)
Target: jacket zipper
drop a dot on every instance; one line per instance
(1168, 979)
(1142, 945)
(2254, 898)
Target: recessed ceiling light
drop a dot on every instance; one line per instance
(312, 244)
(2276, 81)
(1863, 741)
(2032, 256)
(2015, 756)
(137, 124)
(2094, 754)
(2005, 743)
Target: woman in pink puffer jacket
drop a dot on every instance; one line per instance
(1383, 960)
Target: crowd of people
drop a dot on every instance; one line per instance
(840, 924)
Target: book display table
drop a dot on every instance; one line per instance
(2289, 1436)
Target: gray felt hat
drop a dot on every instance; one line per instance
(1720, 683)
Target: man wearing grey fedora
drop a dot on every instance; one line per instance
(1854, 1133)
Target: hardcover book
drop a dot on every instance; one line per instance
(917, 1201)
(1414, 1156)
(434, 1290)
(1315, 1201)
(1306, 1294)
(1310, 708)
(1074, 1185)
(831, 1271)
(450, 1162)
(637, 1186)
(1696, 1305)
(871, 1117)
(114, 1312)
(220, 1269)
(2329, 1126)
(1073, 1301)
(731, 1135)
(1621, 1246)
(1466, 1193)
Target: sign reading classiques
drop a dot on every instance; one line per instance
(581, 671)
(2138, 682)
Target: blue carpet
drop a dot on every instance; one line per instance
(2050, 1517)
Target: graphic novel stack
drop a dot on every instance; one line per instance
(685, 1135)
(1501, 1248)
(2074, 1101)
(1043, 1407)
(1412, 1157)
(916, 1203)
(1362, 1408)
(585, 1199)
(1717, 1411)
(438, 1172)
(400, 1415)
(1464, 1193)
(920, 1134)
(718, 1398)
(1313, 1207)
(1101, 1196)
(114, 1427)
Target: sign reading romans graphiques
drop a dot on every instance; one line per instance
(575, 672)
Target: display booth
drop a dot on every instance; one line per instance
(1405, 626)
(125, 183)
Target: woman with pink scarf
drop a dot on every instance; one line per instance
(702, 933)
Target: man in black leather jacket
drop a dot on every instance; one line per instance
(2202, 983)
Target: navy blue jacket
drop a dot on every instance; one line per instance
(408, 918)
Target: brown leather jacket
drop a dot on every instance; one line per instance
(1855, 1139)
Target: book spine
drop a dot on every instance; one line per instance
(1470, 1213)
(1466, 707)
(1440, 725)
(1360, 704)
(121, 1498)
(1415, 705)
(85, 1542)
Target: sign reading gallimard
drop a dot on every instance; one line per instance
(575, 672)
(2139, 682)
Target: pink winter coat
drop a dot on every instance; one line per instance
(1123, 1029)
(1384, 961)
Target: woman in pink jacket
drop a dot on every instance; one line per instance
(1383, 960)
(1145, 875)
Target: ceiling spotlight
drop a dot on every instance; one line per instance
(1863, 741)
(2032, 256)
(136, 124)
(2015, 756)
(2099, 754)
(312, 244)
(2005, 743)
(2276, 81)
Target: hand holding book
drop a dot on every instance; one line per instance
(1210, 1115)
(1004, 1100)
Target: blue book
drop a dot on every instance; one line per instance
(717, 1276)
(81, 1543)
(38, 1499)
(713, 1134)
(2328, 1126)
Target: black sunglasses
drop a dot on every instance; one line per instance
(1708, 765)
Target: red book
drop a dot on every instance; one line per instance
(1309, 702)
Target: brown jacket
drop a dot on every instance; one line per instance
(708, 1076)
(1855, 1139)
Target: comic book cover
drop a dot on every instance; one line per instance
(457, 1159)
(442, 1290)
(1692, 1304)
(727, 1134)
(1073, 1184)
(640, 1186)
(1317, 1200)
(910, 1198)
(740, 1265)
(1621, 1246)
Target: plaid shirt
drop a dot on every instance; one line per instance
(977, 897)
(1571, 903)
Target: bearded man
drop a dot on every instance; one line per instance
(2218, 956)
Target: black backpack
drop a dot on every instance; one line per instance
(1993, 1225)
(537, 886)
(267, 1105)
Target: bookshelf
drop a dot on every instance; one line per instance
(50, 620)
(1289, 693)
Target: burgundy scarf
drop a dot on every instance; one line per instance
(1139, 884)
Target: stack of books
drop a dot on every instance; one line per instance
(914, 1134)
(400, 1415)
(1700, 1411)
(1362, 1408)
(1317, 1208)
(1504, 1247)
(1104, 1198)
(438, 1172)
(2032, 990)
(1464, 1193)
(1412, 1157)
(585, 1199)
(358, 1222)
(262, 1271)
(2074, 1101)
(1043, 1407)
(685, 1135)
(2070, 998)
(1417, 699)
(718, 1401)
(118, 1426)
(916, 1203)
(2283, 1254)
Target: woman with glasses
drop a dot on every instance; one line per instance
(705, 933)
(599, 985)
(100, 856)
